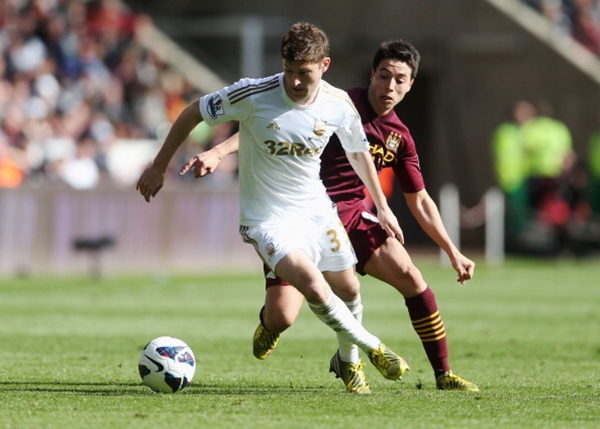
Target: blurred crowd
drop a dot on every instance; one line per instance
(74, 83)
(577, 18)
(552, 196)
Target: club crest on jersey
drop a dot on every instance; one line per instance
(393, 141)
(273, 126)
(320, 127)
(215, 106)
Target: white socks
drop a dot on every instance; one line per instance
(349, 351)
(345, 320)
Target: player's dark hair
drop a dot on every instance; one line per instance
(400, 50)
(305, 42)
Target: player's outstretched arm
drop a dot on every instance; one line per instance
(153, 177)
(364, 167)
(206, 162)
(427, 214)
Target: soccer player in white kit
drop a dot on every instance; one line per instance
(285, 122)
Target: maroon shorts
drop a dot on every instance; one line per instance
(364, 230)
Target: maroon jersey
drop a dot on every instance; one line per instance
(391, 146)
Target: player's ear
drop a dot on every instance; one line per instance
(325, 64)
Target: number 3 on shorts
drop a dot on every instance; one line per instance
(334, 237)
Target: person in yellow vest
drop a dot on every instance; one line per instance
(594, 170)
(550, 160)
(549, 157)
(510, 166)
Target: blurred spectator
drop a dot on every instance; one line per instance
(550, 154)
(510, 166)
(586, 24)
(578, 18)
(81, 172)
(594, 169)
(550, 158)
(543, 182)
(556, 13)
(12, 165)
(75, 83)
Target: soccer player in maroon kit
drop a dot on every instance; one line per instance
(394, 68)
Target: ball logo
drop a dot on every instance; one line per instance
(177, 353)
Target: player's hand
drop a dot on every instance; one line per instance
(204, 163)
(389, 223)
(464, 267)
(150, 182)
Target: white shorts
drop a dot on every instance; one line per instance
(322, 237)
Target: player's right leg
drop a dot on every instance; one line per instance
(291, 248)
(298, 269)
(346, 363)
(345, 285)
(282, 306)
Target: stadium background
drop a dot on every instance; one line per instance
(478, 57)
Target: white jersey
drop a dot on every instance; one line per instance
(281, 143)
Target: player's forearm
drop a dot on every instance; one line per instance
(428, 216)
(227, 147)
(189, 118)
(364, 167)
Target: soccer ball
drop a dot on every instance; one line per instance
(167, 364)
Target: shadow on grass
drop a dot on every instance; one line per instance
(132, 388)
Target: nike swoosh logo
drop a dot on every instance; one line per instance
(159, 366)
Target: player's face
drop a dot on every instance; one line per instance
(301, 79)
(389, 84)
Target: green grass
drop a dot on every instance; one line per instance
(528, 333)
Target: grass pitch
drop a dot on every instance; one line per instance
(528, 333)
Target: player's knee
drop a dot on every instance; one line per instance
(349, 292)
(315, 291)
(409, 281)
